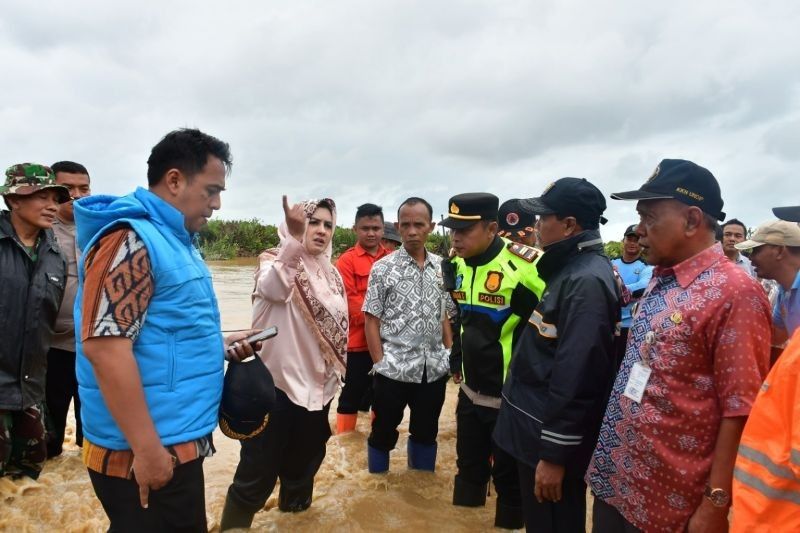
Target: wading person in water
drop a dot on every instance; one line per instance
(405, 327)
(32, 274)
(354, 265)
(150, 352)
(298, 290)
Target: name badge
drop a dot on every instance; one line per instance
(637, 382)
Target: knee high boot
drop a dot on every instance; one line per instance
(377, 460)
(421, 456)
(469, 495)
(234, 515)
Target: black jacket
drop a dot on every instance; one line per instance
(555, 394)
(30, 295)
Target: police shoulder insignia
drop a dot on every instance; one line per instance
(527, 253)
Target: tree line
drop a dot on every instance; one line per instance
(227, 239)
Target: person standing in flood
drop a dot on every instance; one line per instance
(62, 384)
(149, 351)
(496, 288)
(354, 265)
(32, 276)
(563, 365)
(408, 333)
(298, 290)
(697, 354)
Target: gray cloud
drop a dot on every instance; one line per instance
(377, 101)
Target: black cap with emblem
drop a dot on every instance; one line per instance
(512, 219)
(466, 209)
(681, 180)
(570, 197)
(631, 230)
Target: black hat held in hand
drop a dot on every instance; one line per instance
(248, 396)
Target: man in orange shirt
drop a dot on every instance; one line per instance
(354, 266)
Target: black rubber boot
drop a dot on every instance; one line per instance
(508, 516)
(468, 495)
(234, 515)
(294, 499)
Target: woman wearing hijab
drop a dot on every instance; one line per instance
(298, 290)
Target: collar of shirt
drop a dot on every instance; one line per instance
(405, 256)
(688, 270)
(360, 251)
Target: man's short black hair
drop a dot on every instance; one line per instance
(368, 210)
(736, 222)
(70, 167)
(188, 151)
(413, 201)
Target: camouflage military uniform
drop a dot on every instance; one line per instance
(31, 285)
(22, 442)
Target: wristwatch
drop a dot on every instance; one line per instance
(717, 497)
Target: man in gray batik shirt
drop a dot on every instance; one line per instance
(406, 327)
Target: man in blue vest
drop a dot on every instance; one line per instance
(150, 353)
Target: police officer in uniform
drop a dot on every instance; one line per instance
(496, 286)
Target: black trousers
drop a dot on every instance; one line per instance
(61, 388)
(291, 448)
(357, 391)
(178, 506)
(390, 400)
(566, 516)
(606, 519)
(475, 448)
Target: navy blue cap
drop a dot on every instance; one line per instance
(681, 180)
(791, 213)
(570, 197)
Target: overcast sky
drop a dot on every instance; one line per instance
(380, 100)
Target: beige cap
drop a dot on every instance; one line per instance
(777, 232)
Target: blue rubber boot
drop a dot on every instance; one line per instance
(421, 456)
(377, 460)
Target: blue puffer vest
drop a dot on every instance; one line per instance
(179, 350)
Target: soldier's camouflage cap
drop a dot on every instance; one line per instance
(27, 178)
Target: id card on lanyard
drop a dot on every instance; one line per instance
(640, 373)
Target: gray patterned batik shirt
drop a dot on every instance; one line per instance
(408, 301)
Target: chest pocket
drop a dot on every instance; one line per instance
(191, 275)
(53, 292)
(361, 274)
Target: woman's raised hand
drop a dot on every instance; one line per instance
(295, 219)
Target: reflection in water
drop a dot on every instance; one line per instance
(346, 497)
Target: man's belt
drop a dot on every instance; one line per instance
(480, 399)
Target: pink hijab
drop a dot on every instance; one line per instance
(319, 293)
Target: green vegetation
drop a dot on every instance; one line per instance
(226, 239)
(613, 249)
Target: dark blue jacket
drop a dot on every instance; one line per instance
(563, 366)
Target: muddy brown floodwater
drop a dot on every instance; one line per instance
(346, 497)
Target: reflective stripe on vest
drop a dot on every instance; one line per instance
(545, 330)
